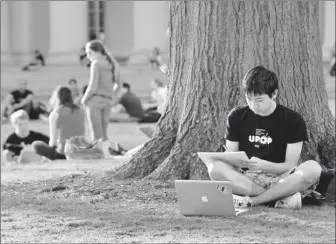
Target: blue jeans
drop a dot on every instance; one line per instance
(98, 110)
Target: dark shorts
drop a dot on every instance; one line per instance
(267, 180)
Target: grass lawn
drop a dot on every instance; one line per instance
(97, 209)
(93, 208)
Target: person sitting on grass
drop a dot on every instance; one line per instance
(39, 111)
(38, 60)
(272, 136)
(128, 107)
(65, 121)
(158, 96)
(22, 136)
(18, 99)
(76, 96)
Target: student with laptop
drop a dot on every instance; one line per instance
(270, 137)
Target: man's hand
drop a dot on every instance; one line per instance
(247, 163)
(256, 163)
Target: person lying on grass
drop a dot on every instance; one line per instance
(272, 136)
(22, 137)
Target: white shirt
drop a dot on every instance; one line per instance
(160, 95)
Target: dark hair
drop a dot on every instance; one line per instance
(65, 98)
(259, 80)
(72, 81)
(98, 46)
(158, 82)
(84, 89)
(126, 85)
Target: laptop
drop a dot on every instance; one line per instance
(206, 198)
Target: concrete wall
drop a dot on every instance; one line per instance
(59, 28)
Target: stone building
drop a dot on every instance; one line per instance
(130, 28)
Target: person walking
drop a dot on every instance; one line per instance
(104, 84)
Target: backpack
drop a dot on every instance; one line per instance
(78, 147)
(326, 186)
(324, 192)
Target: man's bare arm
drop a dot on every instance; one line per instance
(24, 102)
(231, 146)
(293, 153)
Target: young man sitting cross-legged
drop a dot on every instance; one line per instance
(272, 136)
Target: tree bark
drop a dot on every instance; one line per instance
(212, 45)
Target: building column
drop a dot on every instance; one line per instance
(68, 31)
(328, 29)
(150, 28)
(5, 51)
(20, 27)
(119, 28)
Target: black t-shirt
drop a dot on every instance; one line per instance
(265, 137)
(13, 142)
(19, 96)
(132, 105)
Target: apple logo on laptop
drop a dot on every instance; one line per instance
(204, 198)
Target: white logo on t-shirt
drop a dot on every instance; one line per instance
(261, 137)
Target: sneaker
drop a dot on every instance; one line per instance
(291, 202)
(106, 149)
(241, 202)
(119, 149)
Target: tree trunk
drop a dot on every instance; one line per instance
(212, 45)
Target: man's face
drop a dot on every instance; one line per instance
(21, 125)
(22, 85)
(259, 104)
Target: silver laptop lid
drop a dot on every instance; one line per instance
(205, 197)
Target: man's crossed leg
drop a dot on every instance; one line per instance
(261, 187)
